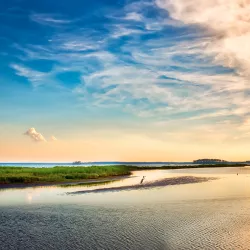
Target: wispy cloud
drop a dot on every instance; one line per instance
(133, 16)
(35, 77)
(49, 19)
(135, 63)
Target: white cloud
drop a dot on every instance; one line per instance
(34, 135)
(119, 30)
(38, 137)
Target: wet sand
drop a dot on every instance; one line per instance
(148, 185)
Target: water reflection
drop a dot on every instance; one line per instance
(91, 184)
(228, 184)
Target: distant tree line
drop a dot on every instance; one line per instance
(202, 161)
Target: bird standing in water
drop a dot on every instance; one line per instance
(142, 179)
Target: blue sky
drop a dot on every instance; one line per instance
(68, 67)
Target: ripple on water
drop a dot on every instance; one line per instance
(210, 224)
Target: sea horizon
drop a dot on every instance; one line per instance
(85, 164)
(103, 163)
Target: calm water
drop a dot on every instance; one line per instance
(208, 215)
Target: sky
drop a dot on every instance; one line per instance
(106, 80)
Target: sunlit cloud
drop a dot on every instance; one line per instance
(34, 135)
(38, 137)
(53, 138)
(227, 23)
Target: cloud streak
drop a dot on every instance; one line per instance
(49, 19)
(36, 78)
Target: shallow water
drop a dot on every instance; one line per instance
(207, 215)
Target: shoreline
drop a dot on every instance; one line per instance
(50, 184)
(191, 166)
(119, 172)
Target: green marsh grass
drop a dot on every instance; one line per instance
(58, 173)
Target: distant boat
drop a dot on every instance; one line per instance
(77, 163)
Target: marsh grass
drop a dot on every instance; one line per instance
(58, 173)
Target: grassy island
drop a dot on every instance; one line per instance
(59, 174)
